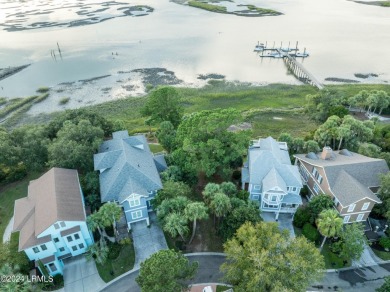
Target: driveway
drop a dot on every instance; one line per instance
(368, 258)
(284, 221)
(81, 275)
(147, 240)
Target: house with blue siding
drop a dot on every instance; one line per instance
(52, 220)
(129, 174)
(270, 178)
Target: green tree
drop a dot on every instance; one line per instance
(75, 116)
(261, 257)
(220, 205)
(297, 145)
(319, 105)
(383, 100)
(195, 211)
(163, 104)
(311, 146)
(32, 142)
(229, 188)
(75, 145)
(166, 136)
(165, 269)
(359, 100)
(385, 287)
(329, 224)
(353, 241)
(209, 192)
(384, 195)
(176, 224)
(10, 152)
(369, 149)
(98, 251)
(338, 110)
(107, 215)
(173, 173)
(170, 190)
(318, 204)
(12, 286)
(241, 212)
(286, 137)
(204, 144)
(326, 134)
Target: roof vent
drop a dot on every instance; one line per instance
(311, 155)
(345, 152)
(327, 153)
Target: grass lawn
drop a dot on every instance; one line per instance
(332, 260)
(384, 255)
(155, 148)
(120, 260)
(8, 194)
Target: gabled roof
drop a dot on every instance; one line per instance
(127, 166)
(273, 180)
(270, 158)
(350, 175)
(55, 196)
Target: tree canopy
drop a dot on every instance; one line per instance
(329, 224)
(163, 104)
(262, 258)
(165, 269)
(205, 145)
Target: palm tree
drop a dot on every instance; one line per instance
(99, 251)
(11, 286)
(109, 213)
(329, 224)
(220, 204)
(176, 224)
(193, 212)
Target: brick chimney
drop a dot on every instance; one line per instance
(326, 153)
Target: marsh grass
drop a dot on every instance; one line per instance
(207, 6)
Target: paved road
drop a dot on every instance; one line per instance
(347, 280)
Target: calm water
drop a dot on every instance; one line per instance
(341, 36)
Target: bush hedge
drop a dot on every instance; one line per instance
(302, 216)
(310, 232)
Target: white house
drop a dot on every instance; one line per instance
(52, 220)
(270, 178)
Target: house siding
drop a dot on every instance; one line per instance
(53, 248)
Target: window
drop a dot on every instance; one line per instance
(319, 178)
(52, 267)
(360, 217)
(74, 248)
(365, 206)
(351, 207)
(270, 206)
(62, 249)
(76, 236)
(346, 218)
(56, 226)
(273, 198)
(304, 172)
(69, 238)
(315, 172)
(255, 197)
(35, 249)
(56, 239)
(316, 188)
(43, 247)
(135, 202)
(256, 187)
(294, 189)
(136, 214)
(81, 245)
(62, 224)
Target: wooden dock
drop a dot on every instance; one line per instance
(299, 71)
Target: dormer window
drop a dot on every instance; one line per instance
(134, 202)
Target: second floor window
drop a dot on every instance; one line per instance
(76, 236)
(69, 238)
(35, 249)
(136, 214)
(43, 247)
(365, 206)
(316, 188)
(135, 202)
(351, 207)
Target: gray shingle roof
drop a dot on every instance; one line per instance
(292, 199)
(263, 160)
(127, 166)
(350, 177)
(272, 180)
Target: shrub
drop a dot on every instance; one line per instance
(301, 217)
(384, 242)
(310, 232)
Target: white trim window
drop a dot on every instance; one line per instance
(360, 217)
(365, 206)
(351, 207)
(314, 172)
(255, 197)
(256, 187)
(346, 219)
(316, 188)
(137, 214)
(134, 202)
